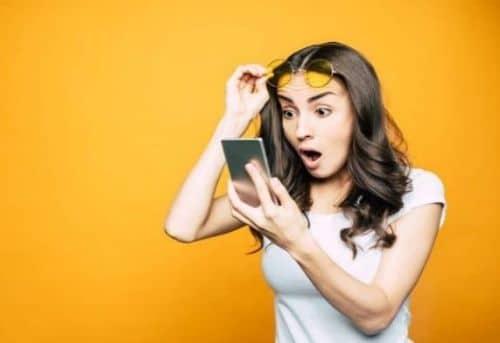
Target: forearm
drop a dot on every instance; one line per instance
(191, 205)
(366, 305)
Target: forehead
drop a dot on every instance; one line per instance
(298, 88)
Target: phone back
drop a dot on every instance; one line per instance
(238, 152)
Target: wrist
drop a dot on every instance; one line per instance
(230, 126)
(241, 117)
(302, 247)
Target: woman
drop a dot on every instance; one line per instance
(354, 223)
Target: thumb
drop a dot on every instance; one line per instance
(261, 83)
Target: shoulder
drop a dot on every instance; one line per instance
(426, 187)
(425, 183)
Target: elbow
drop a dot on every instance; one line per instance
(378, 317)
(175, 235)
(373, 327)
(375, 324)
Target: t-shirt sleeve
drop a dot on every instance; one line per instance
(427, 188)
(266, 242)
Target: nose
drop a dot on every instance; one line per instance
(304, 127)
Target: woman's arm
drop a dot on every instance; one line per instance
(191, 206)
(373, 306)
(194, 206)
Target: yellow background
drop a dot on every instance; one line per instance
(106, 106)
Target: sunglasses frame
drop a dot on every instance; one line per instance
(305, 68)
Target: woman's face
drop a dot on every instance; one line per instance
(320, 119)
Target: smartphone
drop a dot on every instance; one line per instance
(238, 152)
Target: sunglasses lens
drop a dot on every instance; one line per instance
(319, 72)
(282, 73)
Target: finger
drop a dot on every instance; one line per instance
(242, 84)
(231, 193)
(234, 212)
(236, 76)
(242, 218)
(281, 192)
(248, 211)
(258, 69)
(260, 73)
(261, 83)
(258, 178)
(258, 81)
(234, 79)
(254, 71)
(247, 83)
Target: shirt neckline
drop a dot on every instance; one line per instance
(324, 215)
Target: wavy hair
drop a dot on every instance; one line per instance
(376, 162)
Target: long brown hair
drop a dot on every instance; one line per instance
(378, 166)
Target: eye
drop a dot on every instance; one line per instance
(322, 110)
(284, 114)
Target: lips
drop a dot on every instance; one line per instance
(310, 152)
(310, 157)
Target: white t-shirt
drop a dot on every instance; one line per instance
(302, 315)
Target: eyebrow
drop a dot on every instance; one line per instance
(311, 99)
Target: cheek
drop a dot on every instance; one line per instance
(347, 127)
(339, 141)
(288, 131)
(339, 133)
(347, 130)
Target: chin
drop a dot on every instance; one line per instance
(317, 174)
(320, 174)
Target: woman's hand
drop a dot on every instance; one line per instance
(246, 91)
(283, 224)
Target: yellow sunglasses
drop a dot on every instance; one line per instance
(318, 72)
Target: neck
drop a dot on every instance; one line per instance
(328, 193)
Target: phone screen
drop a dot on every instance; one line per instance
(238, 152)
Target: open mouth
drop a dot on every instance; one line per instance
(311, 155)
